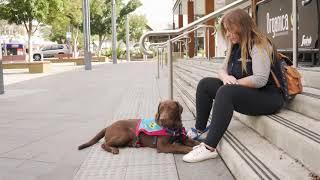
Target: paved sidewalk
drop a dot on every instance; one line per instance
(44, 119)
(12, 76)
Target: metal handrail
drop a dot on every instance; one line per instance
(190, 31)
(176, 39)
(181, 32)
(158, 45)
(169, 44)
(189, 26)
(163, 44)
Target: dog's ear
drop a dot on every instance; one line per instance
(157, 115)
(180, 107)
(179, 113)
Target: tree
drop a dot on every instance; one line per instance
(137, 24)
(100, 20)
(68, 20)
(100, 17)
(30, 13)
(130, 7)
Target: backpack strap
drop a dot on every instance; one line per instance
(274, 59)
(275, 79)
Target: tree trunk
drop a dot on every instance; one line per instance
(100, 45)
(30, 42)
(75, 43)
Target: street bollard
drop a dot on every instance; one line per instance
(158, 64)
(1, 72)
(170, 70)
(1, 78)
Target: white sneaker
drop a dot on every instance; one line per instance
(199, 153)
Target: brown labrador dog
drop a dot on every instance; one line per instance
(123, 133)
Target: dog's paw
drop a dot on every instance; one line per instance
(115, 151)
(188, 149)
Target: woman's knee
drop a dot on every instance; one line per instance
(226, 91)
(205, 82)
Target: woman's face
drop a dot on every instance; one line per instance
(231, 34)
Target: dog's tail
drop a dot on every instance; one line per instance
(94, 140)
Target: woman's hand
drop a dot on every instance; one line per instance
(228, 79)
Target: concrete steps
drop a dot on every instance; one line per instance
(307, 103)
(310, 77)
(248, 155)
(295, 130)
(296, 134)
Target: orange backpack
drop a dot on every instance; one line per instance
(286, 77)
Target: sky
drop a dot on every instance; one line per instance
(157, 12)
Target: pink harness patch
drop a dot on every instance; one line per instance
(150, 127)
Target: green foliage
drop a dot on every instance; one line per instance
(108, 53)
(137, 26)
(73, 11)
(27, 12)
(201, 52)
(101, 14)
(24, 11)
(136, 53)
(127, 9)
(121, 53)
(69, 18)
(100, 20)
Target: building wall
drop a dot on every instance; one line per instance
(220, 44)
(199, 11)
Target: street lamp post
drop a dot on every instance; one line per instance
(86, 34)
(114, 33)
(295, 32)
(127, 38)
(1, 72)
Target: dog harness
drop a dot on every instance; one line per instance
(149, 127)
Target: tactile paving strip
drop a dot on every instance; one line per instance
(151, 172)
(131, 163)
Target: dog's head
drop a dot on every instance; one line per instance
(169, 114)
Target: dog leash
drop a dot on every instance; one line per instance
(197, 137)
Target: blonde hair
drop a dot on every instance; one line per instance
(238, 21)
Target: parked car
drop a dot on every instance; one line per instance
(50, 51)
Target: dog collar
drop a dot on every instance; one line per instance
(151, 128)
(177, 132)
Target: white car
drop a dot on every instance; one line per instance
(50, 51)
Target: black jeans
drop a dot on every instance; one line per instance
(249, 101)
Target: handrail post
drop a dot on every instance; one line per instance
(295, 33)
(208, 44)
(162, 59)
(187, 48)
(1, 78)
(158, 63)
(180, 47)
(170, 70)
(1, 71)
(160, 55)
